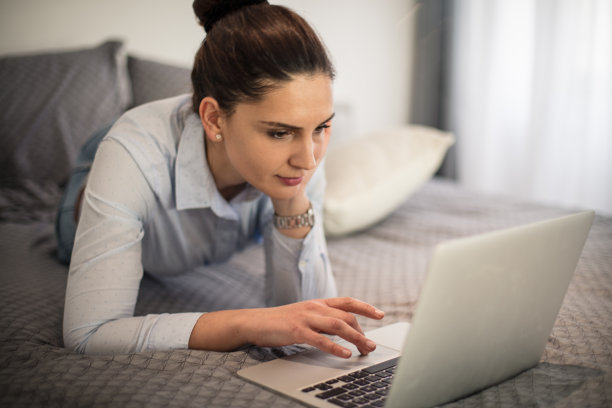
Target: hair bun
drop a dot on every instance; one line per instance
(211, 11)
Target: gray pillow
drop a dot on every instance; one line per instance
(50, 104)
(154, 80)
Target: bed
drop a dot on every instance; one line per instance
(383, 263)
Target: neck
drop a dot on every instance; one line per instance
(227, 180)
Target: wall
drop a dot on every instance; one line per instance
(370, 42)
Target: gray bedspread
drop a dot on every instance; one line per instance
(384, 265)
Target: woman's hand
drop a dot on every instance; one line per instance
(304, 322)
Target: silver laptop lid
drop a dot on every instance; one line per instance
(486, 310)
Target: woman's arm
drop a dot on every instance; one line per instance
(299, 268)
(106, 266)
(297, 323)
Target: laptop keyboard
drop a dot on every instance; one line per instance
(363, 388)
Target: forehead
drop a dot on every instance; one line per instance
(305, 98)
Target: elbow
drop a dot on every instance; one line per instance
(76, 339)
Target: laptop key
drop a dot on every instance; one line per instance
(331, 393)
(382, 392)
(385, 365)
(357, 393)
(344, 404)
(344, 397)
(359, 374)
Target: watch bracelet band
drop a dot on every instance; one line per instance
(295, 221)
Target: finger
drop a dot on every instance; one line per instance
(339, 327)
(366, 346)
(356, 306)
(322, 311)
(325, 344)
(349, 318)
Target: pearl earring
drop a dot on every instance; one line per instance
(218, 136)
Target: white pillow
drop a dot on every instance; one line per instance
(369, 177)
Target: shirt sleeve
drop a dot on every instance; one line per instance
(106, 267)
(299, 269)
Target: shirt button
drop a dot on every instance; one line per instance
(302, 264)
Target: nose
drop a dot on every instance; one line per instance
(304, 155)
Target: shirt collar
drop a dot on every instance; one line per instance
(195, 186)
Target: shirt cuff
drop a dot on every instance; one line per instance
(172, 331)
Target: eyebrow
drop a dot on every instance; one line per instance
(291, 127)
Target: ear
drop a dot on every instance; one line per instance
(212, 118)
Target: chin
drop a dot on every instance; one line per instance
(280, 193)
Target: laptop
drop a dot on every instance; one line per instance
(486, 309)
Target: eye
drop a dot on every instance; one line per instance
(322, 128)
(278, 134)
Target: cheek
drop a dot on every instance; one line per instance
(321, 147)
(319, 152)
(258, 160)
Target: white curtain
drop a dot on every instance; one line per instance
(531, 99)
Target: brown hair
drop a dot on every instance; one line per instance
(250, 49)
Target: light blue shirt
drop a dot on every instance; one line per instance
(151, 204)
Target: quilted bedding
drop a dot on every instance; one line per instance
(384, 265)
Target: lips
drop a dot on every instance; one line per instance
(290, 181)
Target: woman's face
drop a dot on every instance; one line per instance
(275, 144)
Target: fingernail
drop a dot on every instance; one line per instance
(371, 345)
(380, 312)
(346, 353)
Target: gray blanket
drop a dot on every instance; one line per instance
(384, 266)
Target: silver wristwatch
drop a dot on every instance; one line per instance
(295, 221)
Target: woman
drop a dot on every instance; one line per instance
(188, 181)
